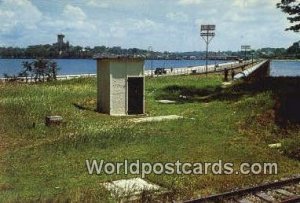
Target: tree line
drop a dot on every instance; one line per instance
(51, 51)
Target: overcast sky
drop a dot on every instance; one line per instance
(166, 25)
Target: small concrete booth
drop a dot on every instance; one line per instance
(120, 86)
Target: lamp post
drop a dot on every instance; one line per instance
(207, 32)
(150, 57)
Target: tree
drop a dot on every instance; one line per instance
(39, 68)
(27, 68)
(53, 68)
(292, 8)
(294, 49)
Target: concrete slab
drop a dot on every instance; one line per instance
(130, 188)
(53, 120)
(156, 118)
(276, 145)
(166, 101)
(226, 84)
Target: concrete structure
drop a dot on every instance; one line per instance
(121, 83)
(256, 72)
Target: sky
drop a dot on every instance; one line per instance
(165, 25)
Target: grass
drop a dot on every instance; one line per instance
(40, 163)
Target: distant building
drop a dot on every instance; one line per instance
(60, 41)
(60, 44)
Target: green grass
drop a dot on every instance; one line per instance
(39, 163)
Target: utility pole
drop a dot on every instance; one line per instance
(207, 32)
(245, 48)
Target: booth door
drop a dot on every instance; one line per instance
(135, 95)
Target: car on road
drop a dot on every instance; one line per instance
(160, 71)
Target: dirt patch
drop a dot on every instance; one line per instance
(5, 187)
(267, 117)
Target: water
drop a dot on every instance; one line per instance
(285, 68)
(88, 66)
(66, 66)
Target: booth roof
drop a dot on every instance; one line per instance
(120, 57)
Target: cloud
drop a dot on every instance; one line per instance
(254, 4)
(238, 17)
(6, 23)
(26, 15)
(204, 21)
(177, 16)
(74, 13)
(250, 3)
(189, 2)
(144, 25)
(98, 3)
(120, 29)
(166, 25)
(74, 23)
(73, 19)
(239, 3)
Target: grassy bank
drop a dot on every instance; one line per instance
(48, 163)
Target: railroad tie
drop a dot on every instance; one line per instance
(293, 199)
(284, 192)
(265, 197)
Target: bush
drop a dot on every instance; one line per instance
(291, 148)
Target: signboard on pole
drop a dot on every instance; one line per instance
(245, 47)
(208, 27)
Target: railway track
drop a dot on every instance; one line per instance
(284, 191)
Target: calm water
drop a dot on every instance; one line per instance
(81, 66)
(66, 66)
(285, 68)
(84, 66)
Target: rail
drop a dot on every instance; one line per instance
(283, 187)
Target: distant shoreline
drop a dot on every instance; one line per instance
(220, 59)
(285, 59)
